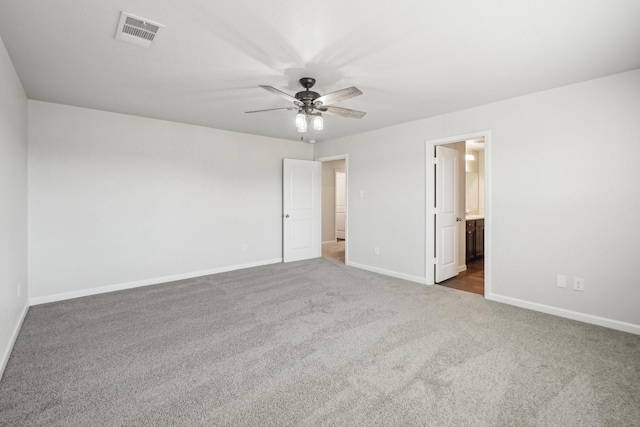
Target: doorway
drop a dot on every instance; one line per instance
(335, 208)
(474, 227)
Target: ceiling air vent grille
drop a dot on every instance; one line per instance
(140, 29)
(136, 30)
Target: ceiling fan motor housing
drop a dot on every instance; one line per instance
(307, 96)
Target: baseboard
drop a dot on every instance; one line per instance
(330, 241)
(12, 341)
(146, 282)
(574, 315)
(462, 268)
(395, 274)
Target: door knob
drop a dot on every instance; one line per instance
(458, 219)
(286, 215)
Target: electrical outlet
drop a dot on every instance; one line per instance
(578, 284)
(376, 250)
(561, 281)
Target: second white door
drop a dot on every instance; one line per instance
(447, 219)
(302, 210)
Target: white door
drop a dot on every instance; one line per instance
(341, 203)
(446, 213)
(302, 216)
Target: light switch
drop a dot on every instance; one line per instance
(561, 281)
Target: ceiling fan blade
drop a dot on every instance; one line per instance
(343, 112)
(272, 109)
(341, 95)
(280, 93)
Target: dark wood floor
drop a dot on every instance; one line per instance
(470, 280)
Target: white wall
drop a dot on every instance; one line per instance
(389, 170)
(329, 198)
(118, 200)
(13, 205)
(474, 200)
(564, 196)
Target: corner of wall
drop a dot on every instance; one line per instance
(4, 358)
(13, 205)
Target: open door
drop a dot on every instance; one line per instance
(302, 214)
(446, 224)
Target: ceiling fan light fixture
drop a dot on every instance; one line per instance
(318, 122)
(301, 122)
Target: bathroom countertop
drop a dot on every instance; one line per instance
(472, 217)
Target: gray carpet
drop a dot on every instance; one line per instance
(313, 343)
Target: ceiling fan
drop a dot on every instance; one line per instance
(310, 105)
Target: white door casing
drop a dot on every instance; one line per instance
(446, 209)
(302, 215)
(341, 203)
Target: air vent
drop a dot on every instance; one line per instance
(135, 30)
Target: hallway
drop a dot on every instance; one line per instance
(334, 251)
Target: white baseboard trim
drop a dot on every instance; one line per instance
(395, 274)
(574, 315)
(147, 282)
(14, 335)
(330, 241)
(462, 268)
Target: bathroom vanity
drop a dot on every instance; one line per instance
(474, 237)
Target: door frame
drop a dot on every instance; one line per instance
(430, 201)
(335, 203)
(344, 157)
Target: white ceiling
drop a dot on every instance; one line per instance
(412, 58)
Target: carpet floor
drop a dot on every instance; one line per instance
(313, 343)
